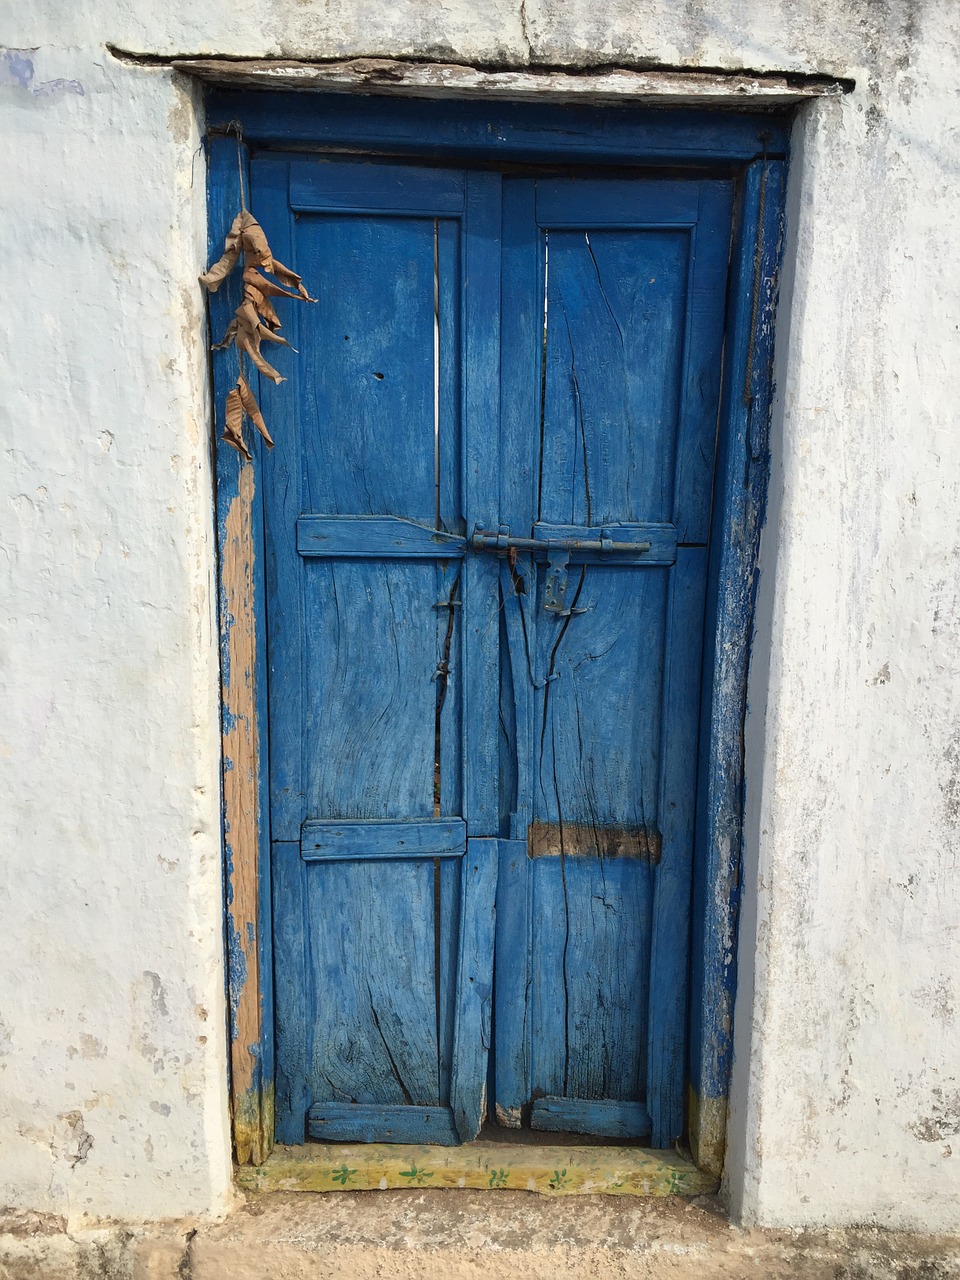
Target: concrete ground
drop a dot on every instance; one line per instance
(465, 1235)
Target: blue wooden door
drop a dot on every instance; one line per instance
(486, 566)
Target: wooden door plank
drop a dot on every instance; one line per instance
(292, 996)
(447, 336)
(523, 262)
(474, 987)
(512, 988)
(598, 707)
(568, 134)
(368, 186)
(702, 362)
(739, 513)
(282, 478)
(374, 538)
(481, 391)
(585, 204)
(677, 808)
(352, 1122)
(603, 1117)
(335, 839)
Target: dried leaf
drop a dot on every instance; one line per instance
(252, 410)
(254, 320)
(233, 426)
(267, 313)
(269, 290)
(247, 317)
(213, 278)
(250, 343)
(254, 241)
(236, 227)
(264, 332)
(228, 337)
(291, 278)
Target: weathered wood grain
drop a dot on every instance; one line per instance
(335, 839)
(373, 537)
(677, 809)
(618, 369)
(337, 1122)
(604, 1117)
(387, 942)
(474, 1006)
(370, 930)
(508, 463)
(244, 736)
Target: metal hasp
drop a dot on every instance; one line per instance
(558, 552)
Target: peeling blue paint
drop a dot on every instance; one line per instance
(237, 972)
(16, 68)
(17, 71)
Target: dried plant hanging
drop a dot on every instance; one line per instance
(255, 320)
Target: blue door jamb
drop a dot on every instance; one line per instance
(751, 147)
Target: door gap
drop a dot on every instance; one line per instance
(442, 677)
(543, 370)
(436, 369)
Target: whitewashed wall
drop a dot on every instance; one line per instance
(846, 1102)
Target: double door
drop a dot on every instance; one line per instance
(486, 522)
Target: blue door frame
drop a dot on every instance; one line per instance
(751, 149)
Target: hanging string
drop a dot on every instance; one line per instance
(243, 200)
(236, 128)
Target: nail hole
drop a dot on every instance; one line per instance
(378, 376)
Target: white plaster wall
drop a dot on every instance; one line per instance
(846, 1096)
(112, 1046)
(846, 1102)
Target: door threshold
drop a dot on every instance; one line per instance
(483, 1165)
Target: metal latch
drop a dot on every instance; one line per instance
(558, 552)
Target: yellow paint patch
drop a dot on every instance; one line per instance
(253, 1120)
(564, 1171)
(708, 1131)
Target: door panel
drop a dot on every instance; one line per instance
(383, 906)
(619, 365)
(616, 302)
(372, 644)
(370, 926)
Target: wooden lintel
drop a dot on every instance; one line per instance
(441, 80)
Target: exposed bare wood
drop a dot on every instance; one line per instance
(584, 839)
(252, 1128)
(437, 80)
